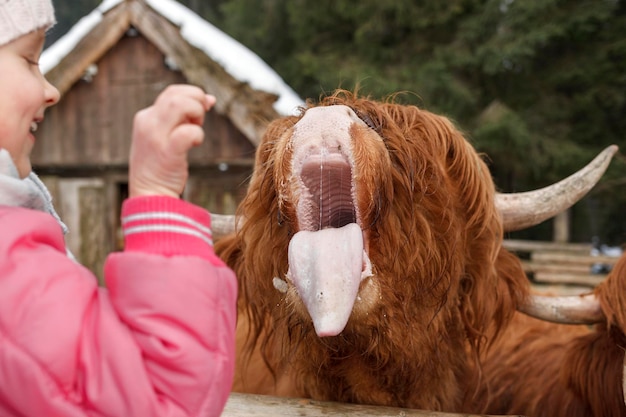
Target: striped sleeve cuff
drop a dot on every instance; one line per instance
(166, 226)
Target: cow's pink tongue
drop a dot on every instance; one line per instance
(325, 267)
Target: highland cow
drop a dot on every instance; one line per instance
(371, 269)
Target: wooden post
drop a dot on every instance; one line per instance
(92, 228)
(561, 227)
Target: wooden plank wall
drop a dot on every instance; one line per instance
(91, 125)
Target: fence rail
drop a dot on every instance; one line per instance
(249, 405)
(561, 264)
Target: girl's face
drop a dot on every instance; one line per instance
(24, 96)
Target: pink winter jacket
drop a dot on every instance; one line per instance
(158, 341)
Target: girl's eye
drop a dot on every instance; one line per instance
(31, 60)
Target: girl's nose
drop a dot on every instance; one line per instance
(52, 95)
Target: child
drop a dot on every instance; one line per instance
(159, 340)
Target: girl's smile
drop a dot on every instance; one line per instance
(26, 94)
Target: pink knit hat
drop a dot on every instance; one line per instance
(19, 17)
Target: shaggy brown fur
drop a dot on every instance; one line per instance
(443, 288)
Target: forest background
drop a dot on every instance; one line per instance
(539, 86)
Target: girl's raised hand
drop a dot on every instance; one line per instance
(162, 136)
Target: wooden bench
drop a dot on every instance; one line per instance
(246, 405)
(561, 266)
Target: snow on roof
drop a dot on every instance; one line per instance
(235, 58)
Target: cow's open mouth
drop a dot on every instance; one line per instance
(328, 191)
(328, 257)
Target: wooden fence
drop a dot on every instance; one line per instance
(564, 267)
(248, 405)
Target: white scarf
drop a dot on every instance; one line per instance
(29, 192)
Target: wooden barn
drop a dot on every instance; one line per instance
(114, 62)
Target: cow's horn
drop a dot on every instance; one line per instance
(577, 309)
(522, 210)
(222, 224)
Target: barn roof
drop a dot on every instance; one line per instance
(248, 91)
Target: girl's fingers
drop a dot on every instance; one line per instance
(177, 110)
(186, 136)
(162, 136)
